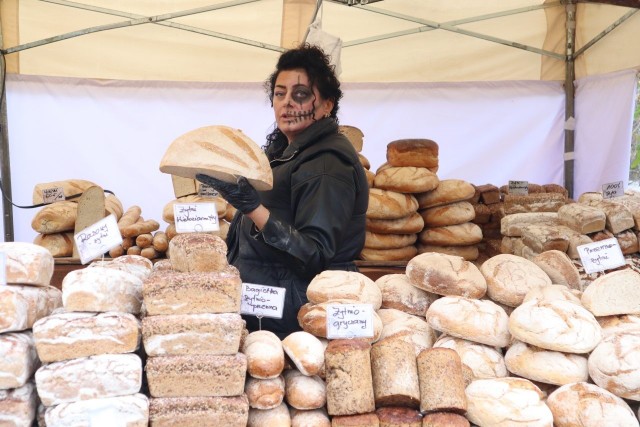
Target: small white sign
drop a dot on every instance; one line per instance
(98, 238)
(3, 268)
(207, 191)
(600, 256)
(195, 217)
(613, 189)
(349, 321)
(519, 188)
(262, 301)
(53, 194)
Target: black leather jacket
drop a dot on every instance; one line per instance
(317, 220)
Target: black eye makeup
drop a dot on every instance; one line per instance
(301, 94)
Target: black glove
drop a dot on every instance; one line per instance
(242, 195)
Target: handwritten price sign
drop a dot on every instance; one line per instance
(600, 256)
(98, 238)
(263, 301)
(53, 194)
(195, 217)
(613, 189)
(520, 188)
(349, 321)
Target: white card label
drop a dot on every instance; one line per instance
(3, 268)
(600, 256)
(349, 321)
(53, 194)
(520, 188)
(98, 238)
(195, 217)
(207, 191)
(261, 300)
(613, 189)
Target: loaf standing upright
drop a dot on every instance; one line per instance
(314, 217)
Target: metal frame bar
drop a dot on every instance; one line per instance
(606, 31)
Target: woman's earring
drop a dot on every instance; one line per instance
(327, 115)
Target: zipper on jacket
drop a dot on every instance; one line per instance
(285, 159)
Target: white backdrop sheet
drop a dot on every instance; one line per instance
(114, 133)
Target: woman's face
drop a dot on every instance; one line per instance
(297, 105)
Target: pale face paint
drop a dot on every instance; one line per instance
(295, 104)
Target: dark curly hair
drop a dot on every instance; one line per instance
(321, 74)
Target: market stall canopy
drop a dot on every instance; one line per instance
(382, 41)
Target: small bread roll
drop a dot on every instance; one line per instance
(265, 355)
(265, 394)
(305, 351)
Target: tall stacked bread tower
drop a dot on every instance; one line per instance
(91, 370)
(191, 334)
(26, 298)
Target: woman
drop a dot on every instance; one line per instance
(314, 217)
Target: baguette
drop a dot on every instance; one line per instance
(129, 217)
(160, 241)
(144, 240)
(137, 229)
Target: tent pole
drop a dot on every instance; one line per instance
(5, 169)
(570, 72)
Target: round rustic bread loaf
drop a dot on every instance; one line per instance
(265, 355)
(558, 266)
(385, 204)
(547, 366)
(553, 292)
(587, 405)
(305, 351)
(399, 293)
(464, 234)
(446, 275)
(303, 391)
(615, 366)
(264, 393)
(395, 254)
(449, 214)
(406, 179)
(448, 191)
(412, 223)
(615, 324)
(406, 327)
(510, 277)
(338, 284)
(275, 417)
(413, 152)
(481, 321)
(483, 360)
(555, 325)
(388, 241)
(308, 418)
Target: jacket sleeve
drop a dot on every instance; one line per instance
(322, 199)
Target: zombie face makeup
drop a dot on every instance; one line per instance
(297, 105)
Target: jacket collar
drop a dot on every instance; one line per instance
(311, 134)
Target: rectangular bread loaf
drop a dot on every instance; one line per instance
(191, 293)
(131, 410)
(21, 306)
(94, 377)
(199, 411)
(18, 406)
(18, 359)
(489, 193)
(71, 335)
(619, 217)
(511, 225)
(27, 263)
(538, 202)
(633, 204)
(582, 218)
(196, 375)
(542, 238)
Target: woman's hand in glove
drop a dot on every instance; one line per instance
(241, 195)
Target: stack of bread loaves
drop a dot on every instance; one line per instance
(448, 220)
(191, 334)
(92, 371)
(24, 299)
(393, 222)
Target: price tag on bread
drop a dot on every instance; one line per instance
(221, 152)
(52, 194)
(262, 301)
(601, 255)
(349, 321)
(98, 238)
(519, 188)
(613, 189)
(195, 217)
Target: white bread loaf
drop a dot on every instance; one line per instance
(582, 218)
(18, 360)
(553, 292)
(512, 225)
(70, 187)
(21, 306)
(555, 325)
(449, 214)
(58, 244)
(27, 263)
(441, 381)
(463, 234)
(137, 265)
(185, 334)
(198, 411)
(354, 135)
(388, 241)
(57, 217)
(615, 366)
(506, 402)
(558, 266)
(395, 374)
(71, 335)
(615, 324)
(547, 366)
(398, 292)
(105, 375)
(617, 292)
(446, 275)
(348, 376)
(406, 327)
(101, 289)
(131, 410)
(481, 321)
(406, 179)
(18, 406)
(265, 354)
(338, 284)
(219, 151)
(198, 252)
(304, 391)
(275, 417)
(483, 360)
(448, 191)
(196, 375)
(385, 204)
(171, 292)
(264, 393)
(510, 277)
(412, 223)
(413, 152)
(309, 418)
(583, 404)
(305, 351)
